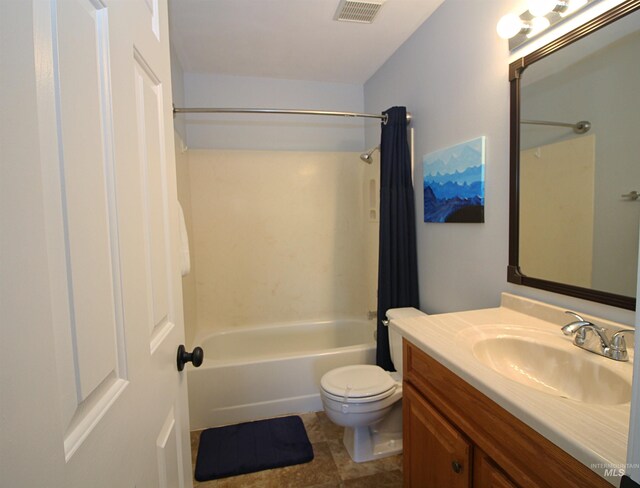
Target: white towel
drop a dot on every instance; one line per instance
(185, 260)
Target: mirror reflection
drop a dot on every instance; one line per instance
(580, 162)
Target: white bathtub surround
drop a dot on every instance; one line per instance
(261, 372)
(595, 434)
(277, 237)
(188, 281)
(185, 260)
(281, 236)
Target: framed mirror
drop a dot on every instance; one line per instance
(575, 161)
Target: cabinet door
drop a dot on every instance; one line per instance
(486, 474)
(436, 455)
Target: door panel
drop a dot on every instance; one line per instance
(93, 362)
(102, 393)
(152, 169)
(168, 459)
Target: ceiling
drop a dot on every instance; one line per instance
(290, 39)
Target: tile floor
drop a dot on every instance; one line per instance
(331, 467)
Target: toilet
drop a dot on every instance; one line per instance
(366, 400)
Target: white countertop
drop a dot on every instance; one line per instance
(595, 435)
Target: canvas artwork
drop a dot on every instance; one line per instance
(454, 183)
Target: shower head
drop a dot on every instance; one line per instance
(366, 156)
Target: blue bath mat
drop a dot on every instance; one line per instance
(252, 446)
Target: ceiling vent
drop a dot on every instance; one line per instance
(358, 11)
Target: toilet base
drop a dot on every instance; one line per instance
(364, 445)
(380, 440)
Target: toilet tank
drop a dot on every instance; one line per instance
(395, 339)
(395, 344)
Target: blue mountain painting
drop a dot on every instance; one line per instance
(454, 183)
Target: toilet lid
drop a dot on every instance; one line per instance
(369, 399)
(358, 381)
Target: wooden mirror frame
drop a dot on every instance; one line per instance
(514, 274)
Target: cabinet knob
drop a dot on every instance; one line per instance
(456, 466)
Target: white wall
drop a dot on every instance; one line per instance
(633, 448)
(280, 236)
(272, 132)
(452, 75)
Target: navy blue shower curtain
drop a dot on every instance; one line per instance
(397, 260)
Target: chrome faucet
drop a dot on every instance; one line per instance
(573, 327)
(612, 348)
(618, 347)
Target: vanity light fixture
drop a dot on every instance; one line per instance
(511, 25)
(538, 24)
(539, 8)
(541, 15)
(573, 6)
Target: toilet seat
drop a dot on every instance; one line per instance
(358, 384)
(372, 398)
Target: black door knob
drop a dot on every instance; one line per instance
(194, 357)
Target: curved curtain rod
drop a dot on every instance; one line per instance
(214, 110)
(579, 127)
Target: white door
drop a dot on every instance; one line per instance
(91, 292)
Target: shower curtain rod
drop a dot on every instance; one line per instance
(215, 110)
(579, 127)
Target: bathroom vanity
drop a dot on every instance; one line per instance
(501, 398)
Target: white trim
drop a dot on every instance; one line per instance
(90, 412)
(633, 449)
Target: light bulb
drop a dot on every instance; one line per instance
(538, 24)
(509, 26)
(540, 8)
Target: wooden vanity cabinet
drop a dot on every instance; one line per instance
(436, 453)
(454, 436)
(486, 474)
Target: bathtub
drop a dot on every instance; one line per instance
(259, 372)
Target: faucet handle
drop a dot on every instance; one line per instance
(617, 339)
(618, 348)
(578, 317)
(576, 326)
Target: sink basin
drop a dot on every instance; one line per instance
(548, 363)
